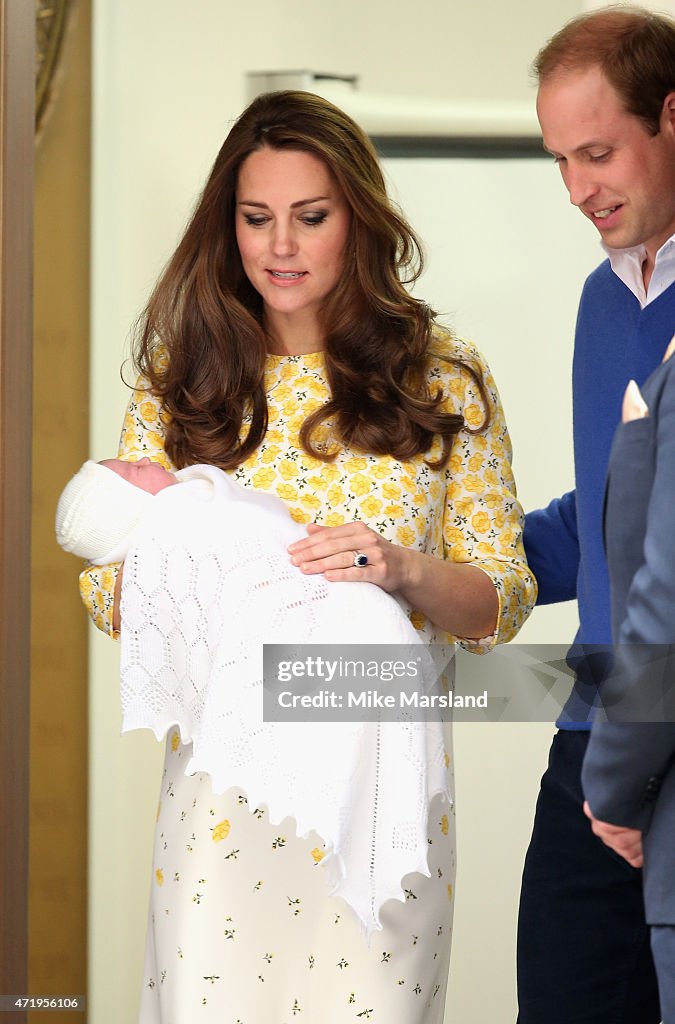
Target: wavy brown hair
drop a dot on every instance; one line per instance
(206, 317)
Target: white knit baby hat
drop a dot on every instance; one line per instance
(96, 512)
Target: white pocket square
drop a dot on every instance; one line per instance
(634, 406)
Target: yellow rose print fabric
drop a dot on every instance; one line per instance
(466, 512)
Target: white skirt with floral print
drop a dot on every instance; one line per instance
(242, 929)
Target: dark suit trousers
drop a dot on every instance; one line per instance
(583, 945)
(663, 948)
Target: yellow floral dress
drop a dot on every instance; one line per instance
(242, 928)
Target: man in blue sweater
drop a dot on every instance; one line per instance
(606, 105)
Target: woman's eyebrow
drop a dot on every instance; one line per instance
(304, 202)
(300, 202)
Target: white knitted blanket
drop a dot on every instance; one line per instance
(207, 581)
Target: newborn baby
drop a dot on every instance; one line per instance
(112, 507)
(97, 512)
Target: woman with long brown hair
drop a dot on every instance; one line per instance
(281, 345)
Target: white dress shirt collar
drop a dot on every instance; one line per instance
(627, 265)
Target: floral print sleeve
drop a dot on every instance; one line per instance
(483, 521)
(142, 434)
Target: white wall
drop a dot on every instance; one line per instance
(499, 279)
(169, 78)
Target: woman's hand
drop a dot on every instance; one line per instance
(457, 597)
(331, 550)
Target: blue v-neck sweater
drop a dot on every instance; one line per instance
(615, 341)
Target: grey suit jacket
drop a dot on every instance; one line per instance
(628, 774)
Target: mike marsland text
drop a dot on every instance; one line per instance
(377, 699)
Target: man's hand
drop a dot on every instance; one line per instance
(627, 842)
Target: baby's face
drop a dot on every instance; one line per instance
(147, 475)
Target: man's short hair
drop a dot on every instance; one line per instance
(633, 47)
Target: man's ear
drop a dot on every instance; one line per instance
(668, 114)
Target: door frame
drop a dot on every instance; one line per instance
(17, 116)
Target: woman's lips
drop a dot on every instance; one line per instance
(286, 277)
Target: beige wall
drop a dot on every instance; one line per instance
(664, 7)
(169, 78)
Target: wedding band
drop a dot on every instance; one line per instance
(360, 559)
